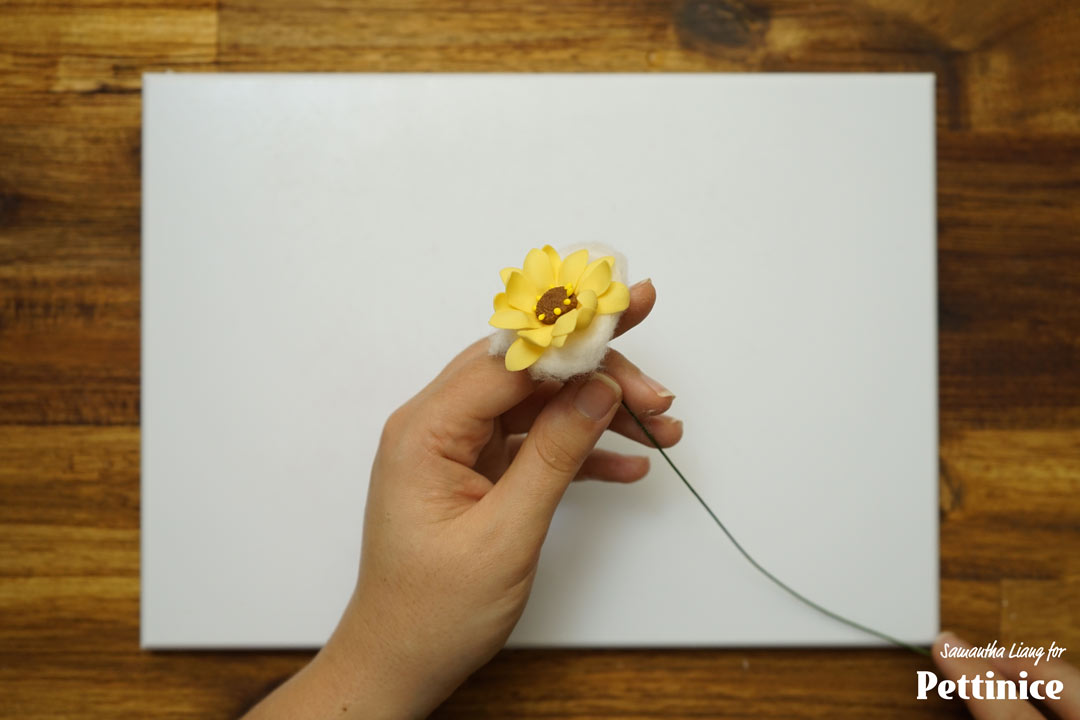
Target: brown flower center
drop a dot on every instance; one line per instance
(553, 303)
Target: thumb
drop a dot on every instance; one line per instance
(552, 453)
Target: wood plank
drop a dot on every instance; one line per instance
(53, 51)
(1009, 504)
(1008, 264)
(51, 684)
(1040, 612)
(68, 28)
(69, 336)
(519, 684)
(61, 478)
(69, 269)
(1000, 65)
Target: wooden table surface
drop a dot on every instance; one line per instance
(1008, 121)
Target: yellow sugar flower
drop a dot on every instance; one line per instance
(551, 300)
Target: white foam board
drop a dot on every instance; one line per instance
(301, 237)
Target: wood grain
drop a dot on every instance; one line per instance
(1008, 96)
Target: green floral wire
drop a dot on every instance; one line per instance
(797, 595)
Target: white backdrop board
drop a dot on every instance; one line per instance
(301, 237)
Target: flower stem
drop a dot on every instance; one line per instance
(784, 586)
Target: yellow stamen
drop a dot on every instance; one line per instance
(554, 303)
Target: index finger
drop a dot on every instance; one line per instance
(642, 299)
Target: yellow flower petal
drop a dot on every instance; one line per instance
(556, 262)
(504, 275)
(522, 354)
(587, 303)
(538, 269)
(565, 324)
(597, 277)
(540, 336)
(510, 319)
(616, 299)
(572, 266)
(559, 341)
(521, 292)
(501, 303)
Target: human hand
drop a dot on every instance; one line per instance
(458, 507)
(955, 668)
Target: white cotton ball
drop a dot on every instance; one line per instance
(583, 351)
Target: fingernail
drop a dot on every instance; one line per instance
(596, 397)
(657, 387)
(643, 283)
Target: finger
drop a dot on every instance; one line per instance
(958, 668)
(480, 385)
(642, 299)
(665, 429)
(553, 452)
(1047, 670)
(643, 394)
(601, 464)
(454, 413)
(613, 467)
(521, 417)
(495, 456)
